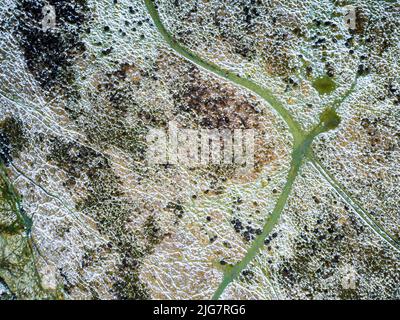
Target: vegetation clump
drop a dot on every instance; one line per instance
(324, 85)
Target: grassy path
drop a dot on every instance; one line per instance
(363, 214)
(10, 194)
(302, 149)
(264, 93)
(22, 223)
(299, 153)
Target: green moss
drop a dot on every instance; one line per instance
(324, 85)
(330, 119)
